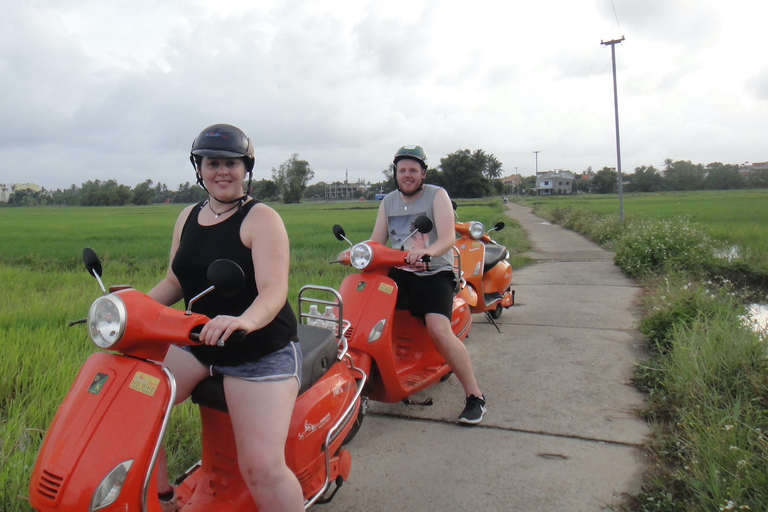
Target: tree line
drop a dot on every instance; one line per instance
(463, 173)
(681, 175)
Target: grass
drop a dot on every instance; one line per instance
(44, 287)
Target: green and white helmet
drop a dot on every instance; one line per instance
(412, 153)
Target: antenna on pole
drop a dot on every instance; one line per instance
(616, 112)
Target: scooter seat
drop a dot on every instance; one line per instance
(318, 349)
(493, 255)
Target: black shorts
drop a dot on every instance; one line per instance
(425, 294)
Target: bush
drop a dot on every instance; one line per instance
(677, 301)
(653, 247)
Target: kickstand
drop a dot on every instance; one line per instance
(490, 319)
(327, 499)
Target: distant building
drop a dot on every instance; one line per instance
(338, 190)
(554, 182)
(7, 190)
(18, 187)
(512, 181)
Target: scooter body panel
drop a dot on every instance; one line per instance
(498, 280)
(403, 359)
(113, 413)
(217, 485)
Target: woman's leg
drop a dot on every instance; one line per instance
(187, 372)
(261, 415)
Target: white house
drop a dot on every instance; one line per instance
(554, 182)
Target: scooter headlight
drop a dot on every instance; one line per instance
(106, 321)
(360, 256)
(476, 230)
(109, 488)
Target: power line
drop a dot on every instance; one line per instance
(617, 17)
(560, 133)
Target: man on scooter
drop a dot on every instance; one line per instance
(430, 289)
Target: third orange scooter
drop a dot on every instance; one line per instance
(485, 268)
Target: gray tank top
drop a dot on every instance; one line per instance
(400, 219)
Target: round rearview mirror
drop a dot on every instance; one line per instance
(423, 224)
(226, 276)
(92, 261)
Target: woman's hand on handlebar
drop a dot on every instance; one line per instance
(221, 328)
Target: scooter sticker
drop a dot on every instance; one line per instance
(98, 383)
(311, 428)
(386, 288)
(144, 383)
(361, 286)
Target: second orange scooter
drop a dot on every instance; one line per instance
(385, 341)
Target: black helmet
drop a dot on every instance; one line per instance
(223, 141)
(412, 153)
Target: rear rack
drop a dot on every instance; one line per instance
(308, 295)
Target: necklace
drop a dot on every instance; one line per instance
(216, 214)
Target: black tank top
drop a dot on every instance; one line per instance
(199, 247)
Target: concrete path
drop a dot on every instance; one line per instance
(561, 433)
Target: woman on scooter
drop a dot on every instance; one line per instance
(430, 291)
(260, 373)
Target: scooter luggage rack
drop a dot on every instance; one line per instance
(341, 325)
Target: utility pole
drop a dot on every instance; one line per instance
(537, 161)
(616, 113)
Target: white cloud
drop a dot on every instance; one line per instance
(118, 90)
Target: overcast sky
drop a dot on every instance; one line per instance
(118, 89)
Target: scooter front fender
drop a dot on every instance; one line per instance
(472, 261)
(369, 300)
(116, 411)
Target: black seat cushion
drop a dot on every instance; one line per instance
(318, 348)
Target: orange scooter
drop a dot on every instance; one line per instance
(385, 340)
(485, 269)
(100, 451)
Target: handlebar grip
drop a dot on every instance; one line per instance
(238, 335)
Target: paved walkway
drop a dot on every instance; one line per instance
(561, 432)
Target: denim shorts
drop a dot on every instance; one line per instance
(279, 365)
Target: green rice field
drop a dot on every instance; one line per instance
(44, 286)
(739, 218)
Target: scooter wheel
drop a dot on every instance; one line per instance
(496, 313)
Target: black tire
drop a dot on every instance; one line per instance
(496, 313)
